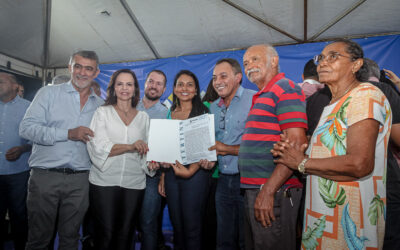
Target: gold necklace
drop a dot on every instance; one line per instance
(123, 112)
(334, 98)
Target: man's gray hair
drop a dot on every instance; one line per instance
(89, 54)
(12, 78)
(60, 79)
(271, 52)
(372, 67)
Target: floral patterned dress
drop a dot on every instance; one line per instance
(348, 215)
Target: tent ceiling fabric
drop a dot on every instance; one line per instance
(179, 27)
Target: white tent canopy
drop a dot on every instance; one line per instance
(45, 33)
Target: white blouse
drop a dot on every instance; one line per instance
(127, 170)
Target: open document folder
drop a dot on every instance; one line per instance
(184, 140)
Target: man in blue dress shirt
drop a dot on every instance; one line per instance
(57, 123)
(154, 88)
(230, 114)
(14, 169)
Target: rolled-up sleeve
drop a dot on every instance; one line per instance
(33, 126)
(99, 146)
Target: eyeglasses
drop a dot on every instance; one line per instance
(330, 58)
(222, 119)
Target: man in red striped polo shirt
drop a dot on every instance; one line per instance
(272, 192)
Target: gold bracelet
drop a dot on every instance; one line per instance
(302, 166)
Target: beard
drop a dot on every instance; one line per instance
(151, 98)
(81, 84)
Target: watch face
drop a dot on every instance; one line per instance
(301, 166)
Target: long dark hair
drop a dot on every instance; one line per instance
(198, 108)
(210, 95)
(112, 98)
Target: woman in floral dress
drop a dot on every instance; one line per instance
(346, 158)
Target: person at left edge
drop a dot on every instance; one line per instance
(57, 123)
(14, 169)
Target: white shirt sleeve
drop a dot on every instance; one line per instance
(99, 146)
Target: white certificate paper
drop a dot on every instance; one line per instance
(184, 140)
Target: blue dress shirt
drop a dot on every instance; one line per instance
(54, 110)
(157, 111)
(11, 114)
(229, 125)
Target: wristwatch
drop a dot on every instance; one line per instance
(302, 166)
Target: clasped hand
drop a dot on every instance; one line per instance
(287, 153)
(80, 133)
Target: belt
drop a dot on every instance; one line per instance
(64, 170)
(233, 174)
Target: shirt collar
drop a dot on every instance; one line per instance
(311, 81)
(272, 82)
(14, 100)
(238, 94)
(70, 89)
(157, 105)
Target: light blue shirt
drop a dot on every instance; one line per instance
(11, 114)
(54, 110)
(157, 111)
(235, 121)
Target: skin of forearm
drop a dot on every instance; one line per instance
(231, 149)
(395, 134)
(340, 168)
(119, 149)
(184, 172)
(277, 178)
(193, 168)
(282, 172)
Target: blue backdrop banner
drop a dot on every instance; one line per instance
(385, 50)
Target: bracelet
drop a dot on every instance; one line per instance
(302, 166)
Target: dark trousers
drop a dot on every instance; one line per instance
(392, 226)
(210, 222)
(229, 205)
(282, 233)
(149, 214)
(52, 196)
(13, 191)
(186, 199)
(115, 210)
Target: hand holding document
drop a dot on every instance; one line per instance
(184, 140)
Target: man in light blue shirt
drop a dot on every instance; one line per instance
(230, 113)
(154, 88)
(14, 169)
(57, 123)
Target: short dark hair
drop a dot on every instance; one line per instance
(372, 67)
(234, 64)
(89, 54)
(158, 72)
(310, 69)
(198, 107)
(112, 98)
(356, 52)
